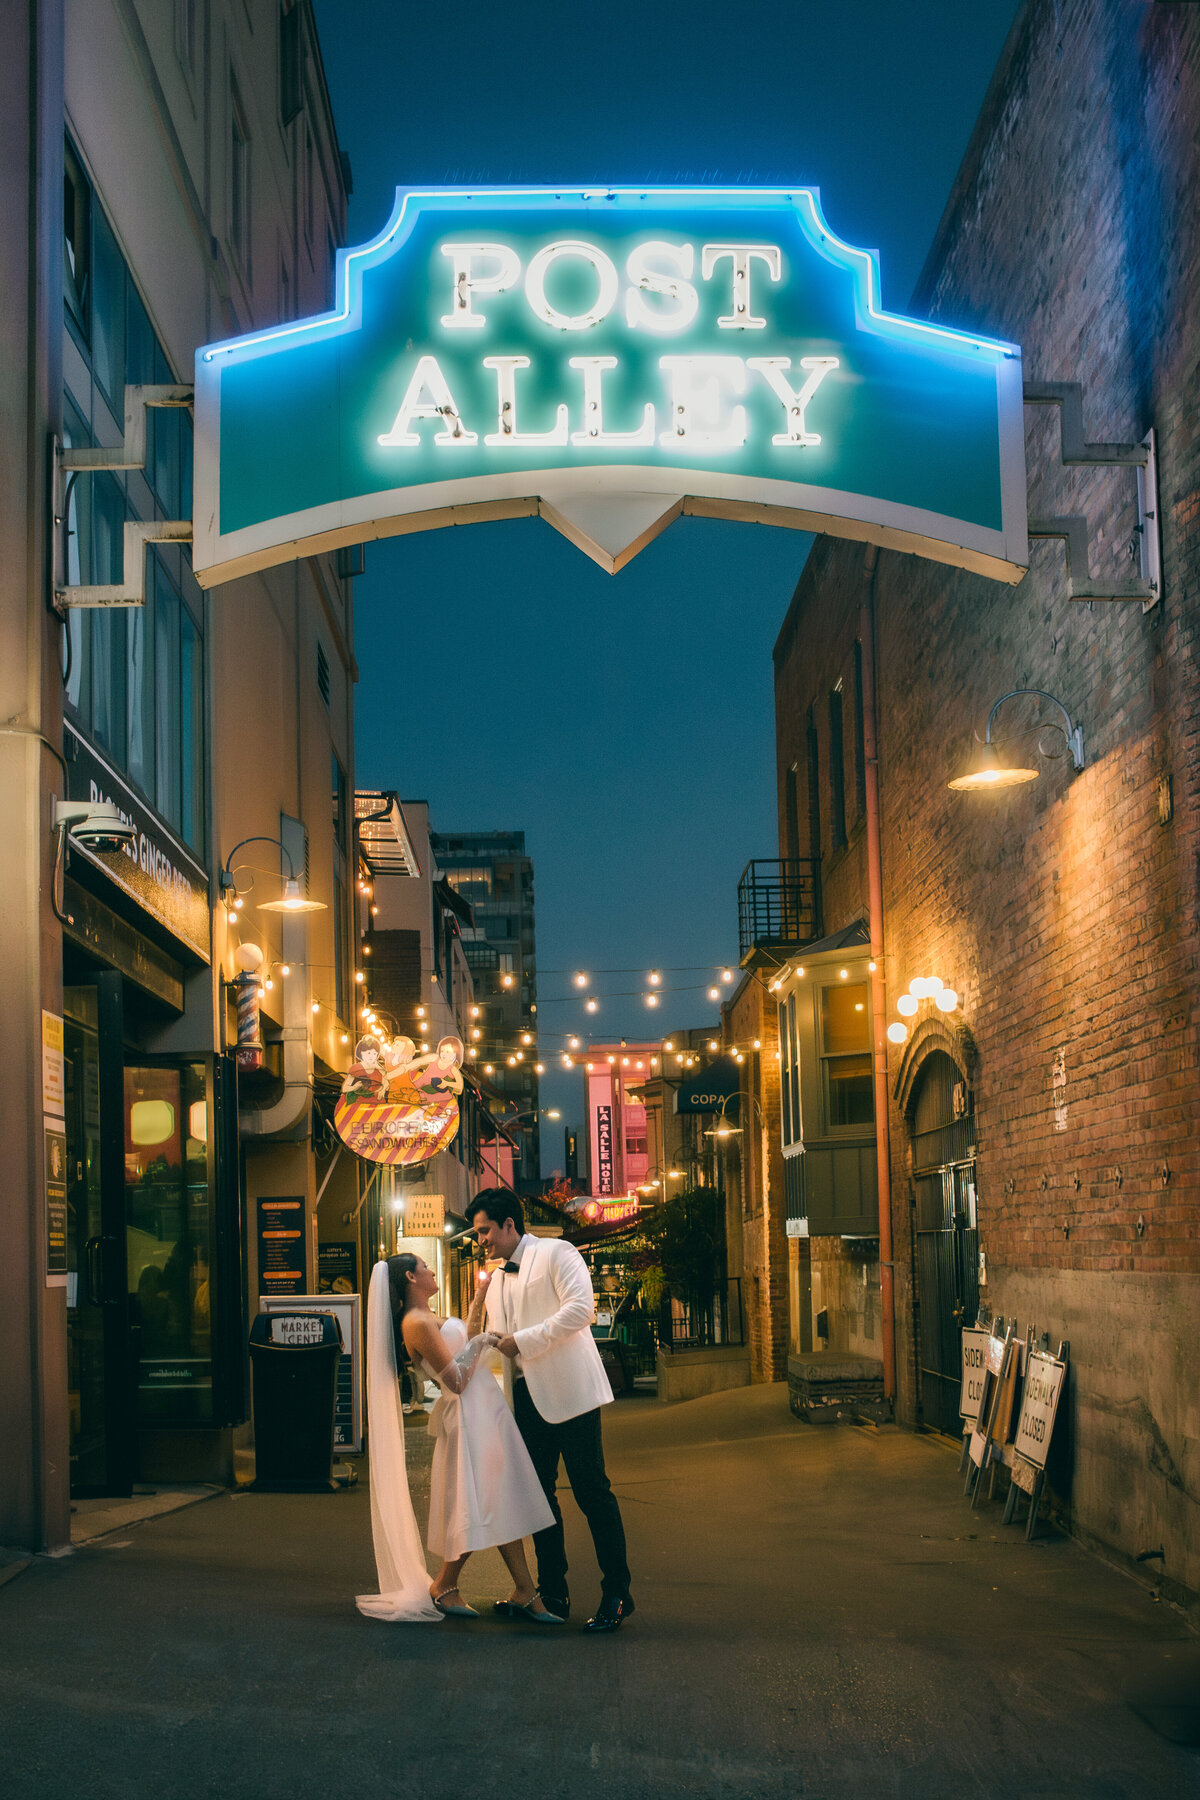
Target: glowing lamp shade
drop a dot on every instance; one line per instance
(151, 1121)
(946, 999)
(291, 900)
(989, 772)
(907, 1004)
(897, 1033)
(198, 1121)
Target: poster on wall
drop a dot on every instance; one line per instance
(337, 1268)
(282, 1245)
(398, 1107)
(56, 1203)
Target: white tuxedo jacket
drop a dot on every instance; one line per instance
(548, 1307)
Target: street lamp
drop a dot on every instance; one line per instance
(989, 772)
(290, 901)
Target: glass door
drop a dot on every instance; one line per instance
(98, 1362)
(170, 1241)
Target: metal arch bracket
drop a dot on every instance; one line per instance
(1073, 527)
(130, 454)
(131, 589)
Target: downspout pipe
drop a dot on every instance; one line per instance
(883, 1149)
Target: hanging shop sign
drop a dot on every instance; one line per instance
(711, 1090)
(604, 1151)
(397, 1107)
(155, 869)
(423, 1216)
(608, 358)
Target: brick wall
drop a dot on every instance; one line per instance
(1065, 912)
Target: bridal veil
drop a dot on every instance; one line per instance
(399, 1555)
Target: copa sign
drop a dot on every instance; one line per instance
(608, 358)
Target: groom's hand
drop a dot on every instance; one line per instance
(507, 1345)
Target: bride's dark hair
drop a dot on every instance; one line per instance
(399, 1269)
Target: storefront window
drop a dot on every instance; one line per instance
(169, 1238)
(846, 1054)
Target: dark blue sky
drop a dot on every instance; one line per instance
(625, 723)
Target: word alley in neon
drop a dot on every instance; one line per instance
(654, 294)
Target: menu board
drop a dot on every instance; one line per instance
(282, 1245)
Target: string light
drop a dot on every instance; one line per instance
(540, 1068)
(488, 1069)
(727, 976)
(285, 968)
(654, 978)
(316, 1006)
(714, 993)
(651, 999)
(591, 1004)
(573, 1043)
(358, 975)
(580, 979)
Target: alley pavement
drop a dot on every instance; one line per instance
(820, 1615)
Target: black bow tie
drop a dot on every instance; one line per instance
(511, 1268)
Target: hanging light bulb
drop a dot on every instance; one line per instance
(540, 1068)
(345, 1037)
(489, 1069)
(285, 968)
(474, 1012)
(268, 984)
(591, 1004)
(651, 999)
(654, 978)
(714, 993)
(475, 1032)
(727, 976)
(359, 976)
(527, 1037)
(573, 1043)
(580, 979)
(316, 1006)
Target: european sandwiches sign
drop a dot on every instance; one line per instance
(609, 358)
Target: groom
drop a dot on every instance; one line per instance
(540, 1303)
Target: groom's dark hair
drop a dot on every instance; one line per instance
(499, 1204)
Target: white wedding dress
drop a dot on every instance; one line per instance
(484, 1489)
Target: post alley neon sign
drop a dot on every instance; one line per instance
(609, 358)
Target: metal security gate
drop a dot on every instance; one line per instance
(947, 1241)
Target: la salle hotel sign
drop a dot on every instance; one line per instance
(609, 358)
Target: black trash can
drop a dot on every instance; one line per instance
(293, 1375)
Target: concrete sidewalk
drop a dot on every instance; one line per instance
(819, 1616)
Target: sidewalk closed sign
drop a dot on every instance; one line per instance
(1044, 1376)
(974, 1367)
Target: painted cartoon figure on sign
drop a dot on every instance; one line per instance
(365, 1078)
(442, 1072)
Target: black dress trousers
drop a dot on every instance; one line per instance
(578, 1444)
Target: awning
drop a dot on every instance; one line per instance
(710, 1090)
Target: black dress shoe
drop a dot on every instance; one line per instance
(558, 1604)
(611, 1613)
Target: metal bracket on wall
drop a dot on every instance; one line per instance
(1073, 527)
(130, 454)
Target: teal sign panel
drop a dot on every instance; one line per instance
(608, 358)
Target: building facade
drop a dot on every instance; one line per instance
(491, 871)
(171, 176)
(1041, 1121)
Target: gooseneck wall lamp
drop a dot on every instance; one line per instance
(290, 901)
(989, 772)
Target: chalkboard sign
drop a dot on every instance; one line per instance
(282, 1244)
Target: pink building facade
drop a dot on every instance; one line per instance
(615, 1078)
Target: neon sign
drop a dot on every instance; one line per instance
(608, 358)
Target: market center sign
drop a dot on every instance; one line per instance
(608, 358)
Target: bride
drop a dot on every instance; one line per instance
(483, 1492)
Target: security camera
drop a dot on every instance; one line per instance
(96, 823)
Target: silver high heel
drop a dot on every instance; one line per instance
(462, 1611)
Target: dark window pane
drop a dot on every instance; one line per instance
(77, 243)
(167, 694)
(108, 314)
(851, 1097)
(191, 711)
(837, 770)
(139, 638)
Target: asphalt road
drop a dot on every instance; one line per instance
(819, 1616)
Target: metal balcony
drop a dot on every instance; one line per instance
(779, 909)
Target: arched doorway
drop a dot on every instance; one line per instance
(941, 1126)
